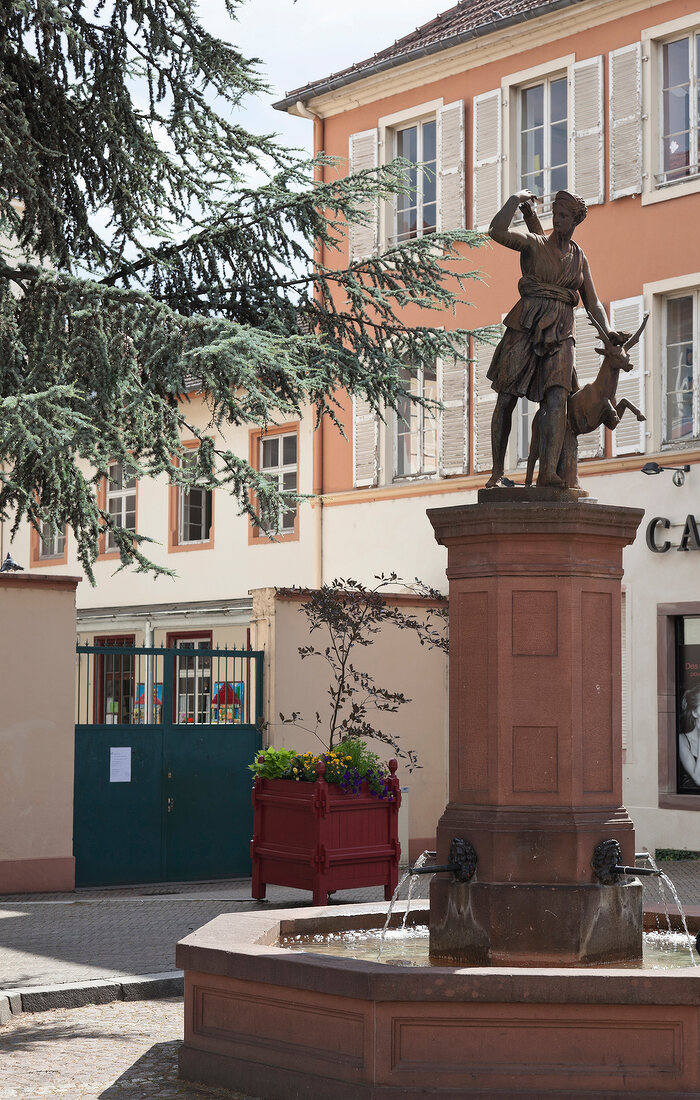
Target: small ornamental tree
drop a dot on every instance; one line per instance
(349, 616)
(136, 256)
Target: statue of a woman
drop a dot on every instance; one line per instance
(535, 357)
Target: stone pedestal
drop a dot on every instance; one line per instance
(535, 734)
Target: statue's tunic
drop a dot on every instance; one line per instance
(537, 349)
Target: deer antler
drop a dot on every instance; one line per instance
(635, 338)
(609, 345)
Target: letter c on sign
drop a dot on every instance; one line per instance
(651, 532)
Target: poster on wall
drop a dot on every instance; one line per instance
(227, 703)
(688, 711)
(140, 715)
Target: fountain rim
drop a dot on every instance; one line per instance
(243, 946)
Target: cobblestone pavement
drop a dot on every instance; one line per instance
(118, 1051)
(61, 938)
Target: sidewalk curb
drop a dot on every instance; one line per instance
(145, 987)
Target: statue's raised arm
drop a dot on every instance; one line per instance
(535, 357)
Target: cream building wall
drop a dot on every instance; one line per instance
(37, 714)
(397, 662)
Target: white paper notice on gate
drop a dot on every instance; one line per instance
(120, 764)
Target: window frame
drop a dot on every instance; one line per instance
(422, 474)
(257, 436)
(175, 542)
(653, 39)
(121, 495)
(387, 126)
(511, 87)
(36, 540)
(545, 81)
(173, 638)
(694, 438)
(419, 125)
(105, 552)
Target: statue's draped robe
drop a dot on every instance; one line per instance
(537, 349)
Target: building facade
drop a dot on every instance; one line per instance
(601, 98)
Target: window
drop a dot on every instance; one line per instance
(679, 63)
(120, 501)
(680, 351)
(275, 452)
(541, 129)
(543, 160)
(114, 681)
(52, 541)
(669, 109)
(415, 213)
(192, 678)
(194, 509)
(416, 428)
(191, 511)
(278, 461)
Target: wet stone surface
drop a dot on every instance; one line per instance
(118, 1051)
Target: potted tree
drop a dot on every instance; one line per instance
(328, 821)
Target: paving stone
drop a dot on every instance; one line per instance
(70, 996)
(120, 1051)
(5, 1010)
(153, 986)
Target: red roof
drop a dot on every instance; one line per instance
(467, 19)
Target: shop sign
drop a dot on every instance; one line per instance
(659, 544)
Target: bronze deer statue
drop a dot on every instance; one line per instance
(594, 404)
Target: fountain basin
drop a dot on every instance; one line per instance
(281, 1024)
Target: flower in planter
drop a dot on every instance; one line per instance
(347, 766)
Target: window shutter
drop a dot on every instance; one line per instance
(487, 158)
(450, 157)
(454, 439)
(365, 441)
(630, 435)
(625, 77)
(364, 153)
(587, 363)
(587, 130)
(483, 404)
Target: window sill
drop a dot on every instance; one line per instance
(679, 802)
(257, 538)
(178, 547)
(671, 191)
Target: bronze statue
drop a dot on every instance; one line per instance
(535, 357)
(591, 406)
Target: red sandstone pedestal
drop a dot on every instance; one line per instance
(535, 734)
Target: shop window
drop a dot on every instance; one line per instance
(415, 427)
(680, 355)
(688, 705)
(543, 139)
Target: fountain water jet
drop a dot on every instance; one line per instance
(535, 787)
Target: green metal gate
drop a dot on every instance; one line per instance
(162, 740)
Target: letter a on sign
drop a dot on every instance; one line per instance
(690, 540)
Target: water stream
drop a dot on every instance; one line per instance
(408, 945)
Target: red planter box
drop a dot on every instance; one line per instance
(313, 836)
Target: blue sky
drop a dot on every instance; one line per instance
(302, 42)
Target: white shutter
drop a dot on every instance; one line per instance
(587, 361)
(454, 437)
(484, 402)
(587, 130)
(365, 442)
(487, 158)
(450, 161)
(630, 435)
(364, 154)
(625, 81)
